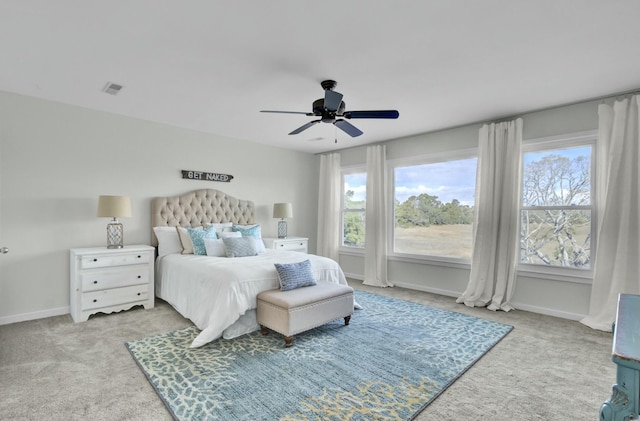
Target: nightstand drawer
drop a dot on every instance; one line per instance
(115, 278)
(292, 245)
(122, 259)
(109, 297)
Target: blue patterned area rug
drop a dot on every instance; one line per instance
(393, 359)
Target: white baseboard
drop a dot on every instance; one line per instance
(445, 292)
(549, 311)
(414, 287)
(354, 276)
(33, 316)
(519, 306)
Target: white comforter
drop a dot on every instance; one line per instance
(218, 294)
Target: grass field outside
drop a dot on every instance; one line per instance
(454, 241)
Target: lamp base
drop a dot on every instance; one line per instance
(282, 228)
(115, 235)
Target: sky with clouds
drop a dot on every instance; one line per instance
(446, 180)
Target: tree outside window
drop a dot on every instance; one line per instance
(556, 213)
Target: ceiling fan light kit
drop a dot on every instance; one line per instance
(331, 109)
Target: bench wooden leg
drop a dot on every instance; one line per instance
(264, 330)
(625, 397)
(346, 320)
(287, 341)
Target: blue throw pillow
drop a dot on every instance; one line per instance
(295, 275)
(240, 247)
(250, 231)
(198, 236)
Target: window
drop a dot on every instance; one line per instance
(556, 217)
(433, 206)
(354, 198)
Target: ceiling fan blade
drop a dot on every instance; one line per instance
(286, 112)
(348, 128)
(372, 114)
(332, 100)
(305, 127)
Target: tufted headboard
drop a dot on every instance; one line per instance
(198, 208)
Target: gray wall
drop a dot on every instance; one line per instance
(55, 160)
(559, 298)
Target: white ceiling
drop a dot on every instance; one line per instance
(212, 65)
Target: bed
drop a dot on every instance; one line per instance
(218, 294)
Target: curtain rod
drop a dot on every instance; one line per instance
(501, 119)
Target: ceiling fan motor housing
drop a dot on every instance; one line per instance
(320, 111)
(328, 84)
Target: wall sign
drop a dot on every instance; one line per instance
(207, 176)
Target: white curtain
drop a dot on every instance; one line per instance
(495, 230)
(617, 255)
(329, 206)
(376, 218)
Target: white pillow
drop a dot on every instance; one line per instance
(229, 234)
(168, 241)
(214, 247)
(259, 245)
(185, 240)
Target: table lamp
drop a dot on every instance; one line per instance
(282, 210)
(114, 207)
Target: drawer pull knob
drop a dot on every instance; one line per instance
(139, 276)
(95, 260)
(281, 245)
(138, 293)
(139, 257)
(95, 282)
(95, 301)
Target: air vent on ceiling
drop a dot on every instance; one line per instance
(112, 88)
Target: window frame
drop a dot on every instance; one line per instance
(425, 159)
(549, 143)
(348, 170)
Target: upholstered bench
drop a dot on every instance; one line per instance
(297, 310)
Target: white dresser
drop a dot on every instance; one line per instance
(108, 280)
(290, 243)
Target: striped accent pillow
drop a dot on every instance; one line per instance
(295, 275)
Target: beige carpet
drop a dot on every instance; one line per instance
(545, 369)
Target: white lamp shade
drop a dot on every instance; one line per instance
(114, 207)
(282, 210)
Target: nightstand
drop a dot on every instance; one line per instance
(290, 243)
(108, 280)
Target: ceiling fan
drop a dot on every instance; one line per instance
(331, 109)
